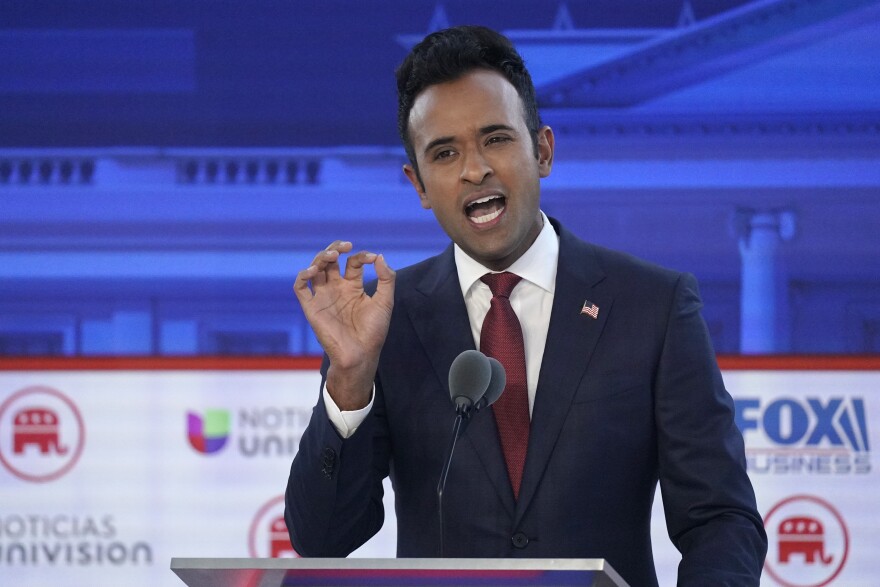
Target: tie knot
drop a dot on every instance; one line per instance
(501, 284)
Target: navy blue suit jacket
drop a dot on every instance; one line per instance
(624, 400)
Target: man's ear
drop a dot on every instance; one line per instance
(546, 147)
(413, 176)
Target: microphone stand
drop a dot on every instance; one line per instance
(462, 419)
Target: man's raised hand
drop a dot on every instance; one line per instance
(350, 325)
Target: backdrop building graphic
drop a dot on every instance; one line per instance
(166, 170)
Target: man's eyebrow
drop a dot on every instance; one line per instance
(487, 130)
(436, 142)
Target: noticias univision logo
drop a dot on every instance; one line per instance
(208, 432)
(260, 431)
(805, 435)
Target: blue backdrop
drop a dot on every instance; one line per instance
(167, 167)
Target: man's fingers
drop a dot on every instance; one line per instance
(383, 271)
(332, 254)
(324, 266)
(386, 275)
(338, 245)
(327, 252)
(327, 261)
(354, 266)
(301, 284)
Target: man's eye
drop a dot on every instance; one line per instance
(497, 139)
(443, 154)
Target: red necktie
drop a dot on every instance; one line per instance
(502, 338)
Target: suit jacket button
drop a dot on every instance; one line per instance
(520, 540)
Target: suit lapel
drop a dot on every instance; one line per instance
(571, 338)
(440, 319)
(439, 316)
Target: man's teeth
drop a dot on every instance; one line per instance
(488, 217)
(480, 214)
(483, 200)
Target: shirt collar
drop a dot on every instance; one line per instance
(537, 264)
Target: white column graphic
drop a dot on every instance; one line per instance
(764, 308)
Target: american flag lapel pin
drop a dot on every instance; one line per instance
(590, 309)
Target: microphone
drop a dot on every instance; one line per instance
(475, 382)
(469, 377)
(496, 385)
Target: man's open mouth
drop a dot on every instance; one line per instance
(486, 209)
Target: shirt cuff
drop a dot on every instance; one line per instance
(346, 423)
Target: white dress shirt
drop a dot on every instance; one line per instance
(531, 299)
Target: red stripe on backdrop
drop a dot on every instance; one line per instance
(726, 362)
(799, 362)
(311, 363)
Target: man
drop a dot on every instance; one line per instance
(614, 375)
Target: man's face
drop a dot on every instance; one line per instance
(478, 166)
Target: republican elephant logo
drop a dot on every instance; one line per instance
(808, 542)
(42, 434)
(268, 535)
(279, 539)
(802, 535)
(36, 427)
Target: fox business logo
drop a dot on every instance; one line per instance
(805, 436)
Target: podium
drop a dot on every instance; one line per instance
(422, 572)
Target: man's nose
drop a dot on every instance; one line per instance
(475, 168)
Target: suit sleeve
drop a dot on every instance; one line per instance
(333, 502)
(711, 514)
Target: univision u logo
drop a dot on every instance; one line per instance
(209, 431)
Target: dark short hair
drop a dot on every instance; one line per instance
(451, 53)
